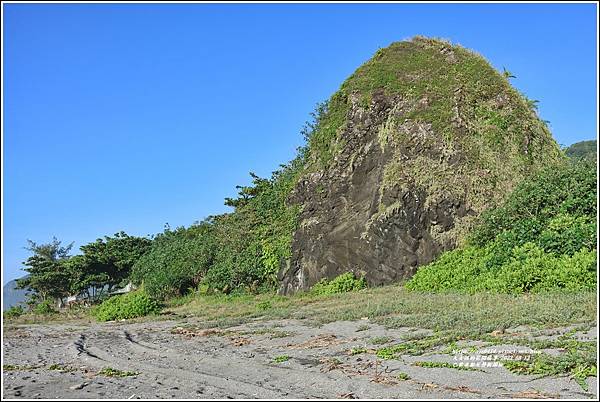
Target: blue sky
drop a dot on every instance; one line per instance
(126, 117)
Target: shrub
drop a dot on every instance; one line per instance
(14, 312)
(555, 199)
(527, 269)
(176, 262)
(131, 305)
(541, 239)
(44, 308)
(346, 282)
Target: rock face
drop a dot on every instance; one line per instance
(413, 147)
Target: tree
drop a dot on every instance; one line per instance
(48, 277)
(86, 278)
(113, 257)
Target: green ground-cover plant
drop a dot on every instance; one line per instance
(428, 364)
(130, 305)
(61, 368)
(578, 364)
(357, 351)
(111, 372)
(380, 340)
(18, 367)
(281, 359)
(346, 282)
(403, 376)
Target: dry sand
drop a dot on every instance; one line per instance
(174, 359)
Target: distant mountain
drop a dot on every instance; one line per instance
(582, 150)
(13, 296)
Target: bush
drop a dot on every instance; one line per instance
(44, 308)
(14, 312)
(177, 261)
(527, 269)
(542, 238)
(556, 199)
(346, 282)
(131, 305)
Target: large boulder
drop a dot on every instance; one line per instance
(413, 147)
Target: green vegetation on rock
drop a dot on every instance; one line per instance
(542, 238)
(455, 99)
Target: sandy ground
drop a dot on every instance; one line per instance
(175, 359)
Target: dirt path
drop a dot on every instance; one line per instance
(275, 359)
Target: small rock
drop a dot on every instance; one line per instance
(78, 386)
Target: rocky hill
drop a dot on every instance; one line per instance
(412, 148)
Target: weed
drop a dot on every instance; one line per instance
(264, 305)
(281, 358)
(363, 327)
(111, 372)
(357, 351)
(17, 367)
(579, 364)
(416, 347)
(60, 367)
(402, 376)
(380, 340)
(443, 365)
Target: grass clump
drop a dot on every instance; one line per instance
(357, 351)
(443, 365)
(416, 347)
(131, 305)
(60, 367)
(17, 367)
(281, 359)
(111, 372)
(346, 282)
(380, 340)
(403, 376)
